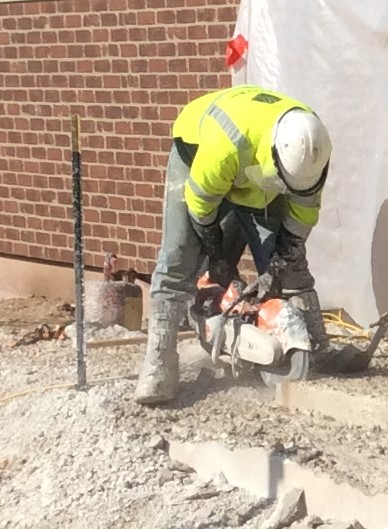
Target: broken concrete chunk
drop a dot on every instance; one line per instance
(313, 521)
(357, 525)
(165, 476)
(310, 522)
(157, 441)
(290, 508)
(180, 467)
(342, 525)
(201, 494)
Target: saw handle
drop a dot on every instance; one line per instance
(217, 344)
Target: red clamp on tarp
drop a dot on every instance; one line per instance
(235, 50)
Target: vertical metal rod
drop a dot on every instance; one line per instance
(78, 251)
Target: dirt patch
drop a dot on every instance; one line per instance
(32, 311)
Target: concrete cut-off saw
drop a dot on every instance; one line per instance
(239, 330)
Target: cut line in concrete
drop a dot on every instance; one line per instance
(349, 408)
(270, 476)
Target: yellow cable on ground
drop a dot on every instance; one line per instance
(13, 396)
(329, 317)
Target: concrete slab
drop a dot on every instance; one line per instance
(268, 475)
(343, 406)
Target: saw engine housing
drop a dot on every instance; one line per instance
(267, 333)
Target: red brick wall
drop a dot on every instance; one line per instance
(127, 67)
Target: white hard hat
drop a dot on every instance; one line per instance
(303, 148)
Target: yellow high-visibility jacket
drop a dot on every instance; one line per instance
(223, 133)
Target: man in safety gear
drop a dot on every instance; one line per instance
(247, 166)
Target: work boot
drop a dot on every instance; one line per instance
(308, 303)
(159, 377)
(327, 357)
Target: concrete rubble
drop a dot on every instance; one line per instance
(291, 508)
(96, 459)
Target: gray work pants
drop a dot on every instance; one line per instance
(181, 255)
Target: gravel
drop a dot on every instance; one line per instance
(80, 459)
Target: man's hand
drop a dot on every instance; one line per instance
(220, 272)
(269, 284)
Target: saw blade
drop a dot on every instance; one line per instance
(296, 369)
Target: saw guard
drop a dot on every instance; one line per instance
(285, 322)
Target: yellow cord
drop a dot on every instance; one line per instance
(13, 396)
(330, 317)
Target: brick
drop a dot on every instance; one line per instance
(66, 226)
(157, 33)
(100, 230)
(154, 4)
(168, 81)
(127, 219)
(93, 245)
(208, 48)
(127, 249)
(11, 206)
(177, 33)
(186, 16)
(122, 97)
(148, 49)
(142, 159)
(145, 18)
(59, 240)
(28, 236)
(43, 238)
(137, 34)
(128, 18)
(154, 237)
(91, 215)
(186, 49)
(125, 189)
(20, 248)
(119, 35)
(4, 192)
(73, 21)
(226, 14)
(12, 234)
(150, 113)
(135, 235)
(217, 64)
(109, 217)
(118, 5)
(217, 32)
(9, 23)
(209, 81)
(177, 65)
(148, 81)
(124, 158)
(9, 52)
(128, 50)
(36, 252)
(137, 66)
(206, 15)
(34, 223)
(114, 112)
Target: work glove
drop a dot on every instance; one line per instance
(269, 284)
(210, 236)
(220, 272)
(289, 247)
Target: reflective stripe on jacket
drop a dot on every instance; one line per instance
(228, 131)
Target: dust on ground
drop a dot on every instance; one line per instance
(77, 459)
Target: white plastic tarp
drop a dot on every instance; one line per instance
(333, 54)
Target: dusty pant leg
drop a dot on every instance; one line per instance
(180, 253)
(172, 283)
